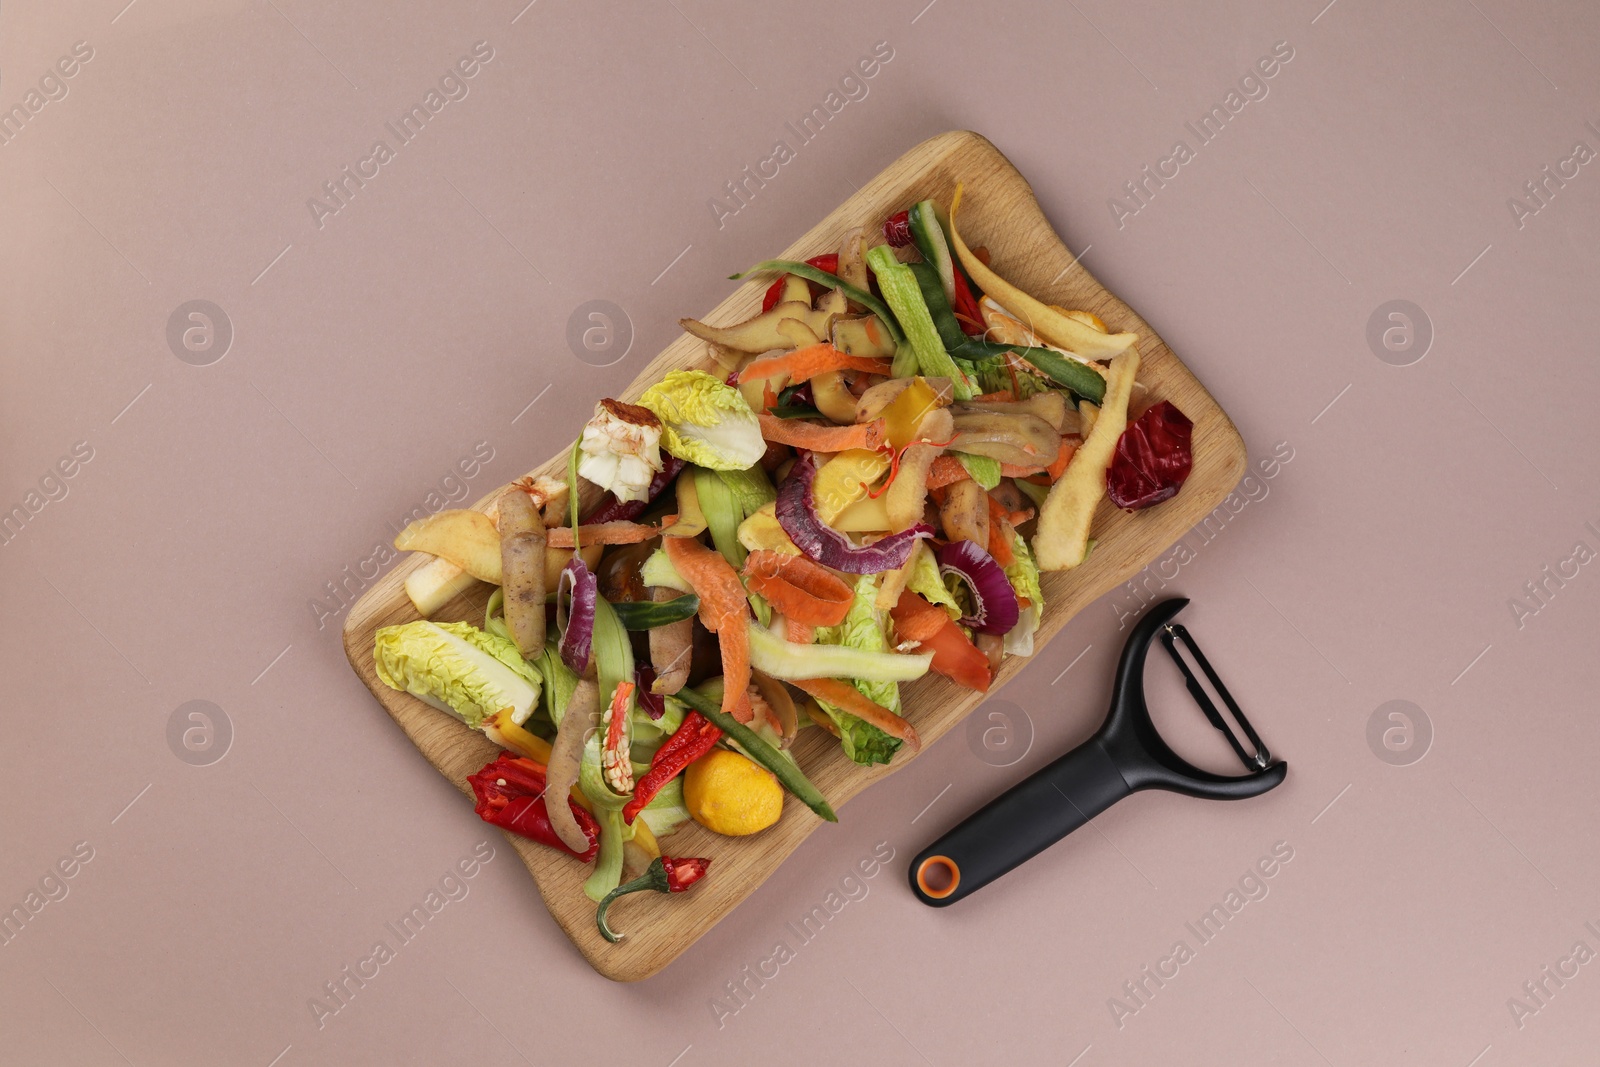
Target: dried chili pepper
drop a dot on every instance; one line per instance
(692, 739)
(664, 875)
(510, 794)
(828, 262)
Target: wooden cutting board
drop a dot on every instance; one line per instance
(998, 210)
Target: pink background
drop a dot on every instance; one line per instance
(371, 354)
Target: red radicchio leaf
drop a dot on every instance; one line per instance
(1152, 458)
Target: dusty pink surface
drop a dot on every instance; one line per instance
(209, 506)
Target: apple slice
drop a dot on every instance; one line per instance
(466, 538)
(435, 584)
(432, 586)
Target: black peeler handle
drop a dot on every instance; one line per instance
(1125, 755)
(1018, 825)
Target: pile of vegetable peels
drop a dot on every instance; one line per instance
(907, 442)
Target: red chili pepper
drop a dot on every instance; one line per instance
(897, 229)
(664, 875)
(966, 309)
(510, 794)
(828, 262)
(692, 739)
(683, 873)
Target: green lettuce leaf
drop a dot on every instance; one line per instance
(457, 668)
(863, 628)
(666, 810)
(1024, 576)
(705, 421)
(926, 580)
(863, 742)
(751, 487)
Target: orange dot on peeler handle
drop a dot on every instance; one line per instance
(938, 876)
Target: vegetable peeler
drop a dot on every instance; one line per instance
(1124, 756)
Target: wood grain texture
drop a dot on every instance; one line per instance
(998, 210)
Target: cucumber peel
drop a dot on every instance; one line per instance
(944, 320)
(787, 661)
(923, 221)
(900, 288)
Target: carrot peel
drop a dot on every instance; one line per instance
(848, 698)
(803, 364)
(617, 532)
(946, 470)
(723, 610)
(820, 438)
(802, 589)
(917, 620)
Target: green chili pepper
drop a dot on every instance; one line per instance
(664, 875)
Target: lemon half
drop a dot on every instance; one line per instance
(728, 794)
